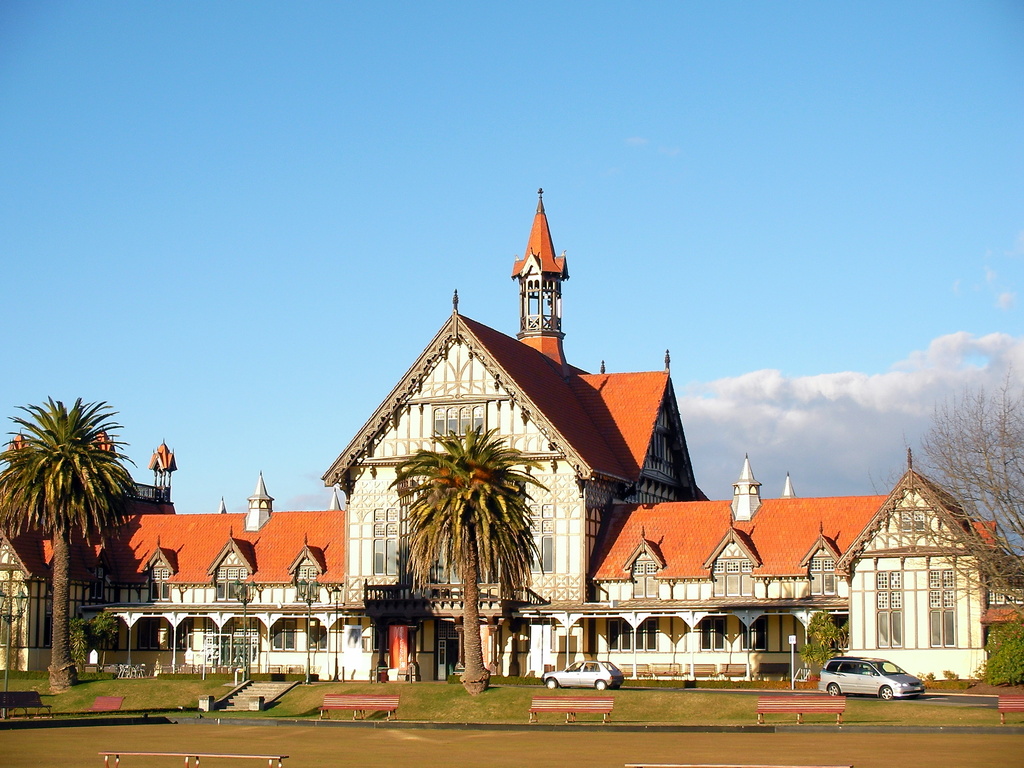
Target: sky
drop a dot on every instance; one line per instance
(238, 223)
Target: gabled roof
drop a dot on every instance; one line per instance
(742, 540)
(603, 423)
(688, 533)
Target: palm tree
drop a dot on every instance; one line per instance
(467, 510)
(63, 477)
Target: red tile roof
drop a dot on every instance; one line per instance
(607, 418)
(196, 541)
(687, 533)
(540, 245)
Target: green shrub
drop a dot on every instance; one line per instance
(1005, 649)
(950, 674)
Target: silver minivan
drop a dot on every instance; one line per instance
(874, 677)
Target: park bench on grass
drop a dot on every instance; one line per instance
(106, 704)
(733, 670)
(194, 756)
(360, 704)
(666, 670)
(1009, 703)
(801, 704)
(571, 705)
(704, 670)
(23, 700)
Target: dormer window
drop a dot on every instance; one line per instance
(823, 576)
(732, 577)
(97, 588)
(227, 581)
(645, 583)
(159, 588)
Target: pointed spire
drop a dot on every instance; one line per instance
(455, 302)
(746, 494)
(223, 509)
(787, 489)
(668, 361)
(261, 507)
(335, 505)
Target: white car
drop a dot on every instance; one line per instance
(586, 674)
(874, 677)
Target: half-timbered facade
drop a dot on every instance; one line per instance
(634, 563)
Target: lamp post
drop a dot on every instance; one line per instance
(243, 593)
(12, 608)
(336, 590)
(309, 593)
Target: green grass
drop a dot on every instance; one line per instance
(505, 704)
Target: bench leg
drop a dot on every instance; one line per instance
(839, 718)
(533, 717)
(799, 718)
(1002, 718)
(760, 718)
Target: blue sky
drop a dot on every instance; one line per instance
(239, 223)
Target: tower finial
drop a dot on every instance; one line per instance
(668, 361)
(602, 366)
(455, 301)
(910, 458)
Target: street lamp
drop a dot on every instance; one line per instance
(309, 593)
(336, 590)
(12, 608)
(244, 594)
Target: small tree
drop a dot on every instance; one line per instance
(78, 634)
(825, 639)
(102, 632)
(1005, 650)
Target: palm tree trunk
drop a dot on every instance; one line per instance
(475, 676)
(63, 673)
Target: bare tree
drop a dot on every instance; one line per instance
(975, 449)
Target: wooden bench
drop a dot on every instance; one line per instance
(733, 670)
(360, 704)
(704, 670)
(23, 700)
(666, 670)
(571, 705)
(1009, 703)
(642, 671)
(801, 704)
(773, 668)
(107, 704)
(195, 756)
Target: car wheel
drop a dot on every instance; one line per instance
(600, 685)
(833, 690)
(551, 683)
(885, 692)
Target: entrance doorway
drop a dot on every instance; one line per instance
(447, 649)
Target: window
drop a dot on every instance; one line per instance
(942, 608)
(159, 589)
(823, 576)
(732, 577)
(317, 636)
(621, 635)
(385, 542)
(645, 583)
(889, 604)
(712, 633)
(227, 581)
(755, 636)
(283, 635)
(542, 523)
(97, 587)
(152, 634)
(912, 521)
(458, 420)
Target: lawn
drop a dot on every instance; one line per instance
(439, 702)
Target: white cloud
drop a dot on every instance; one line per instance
(836, 433)
(1006, 300)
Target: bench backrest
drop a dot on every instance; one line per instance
(13, 699)
(801, 703)
(1011, 703)
(357, 701)
(573, 703)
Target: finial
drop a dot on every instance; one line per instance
(602, 366)
(455, 301)
(910, 458)
(540, 202)
(540, 192)
(668, 361)
(821, 528)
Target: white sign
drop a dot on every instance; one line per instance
(792, 639)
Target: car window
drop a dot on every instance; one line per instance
(847, 667)
(574, 667)
(891, 669)
(591, 667)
